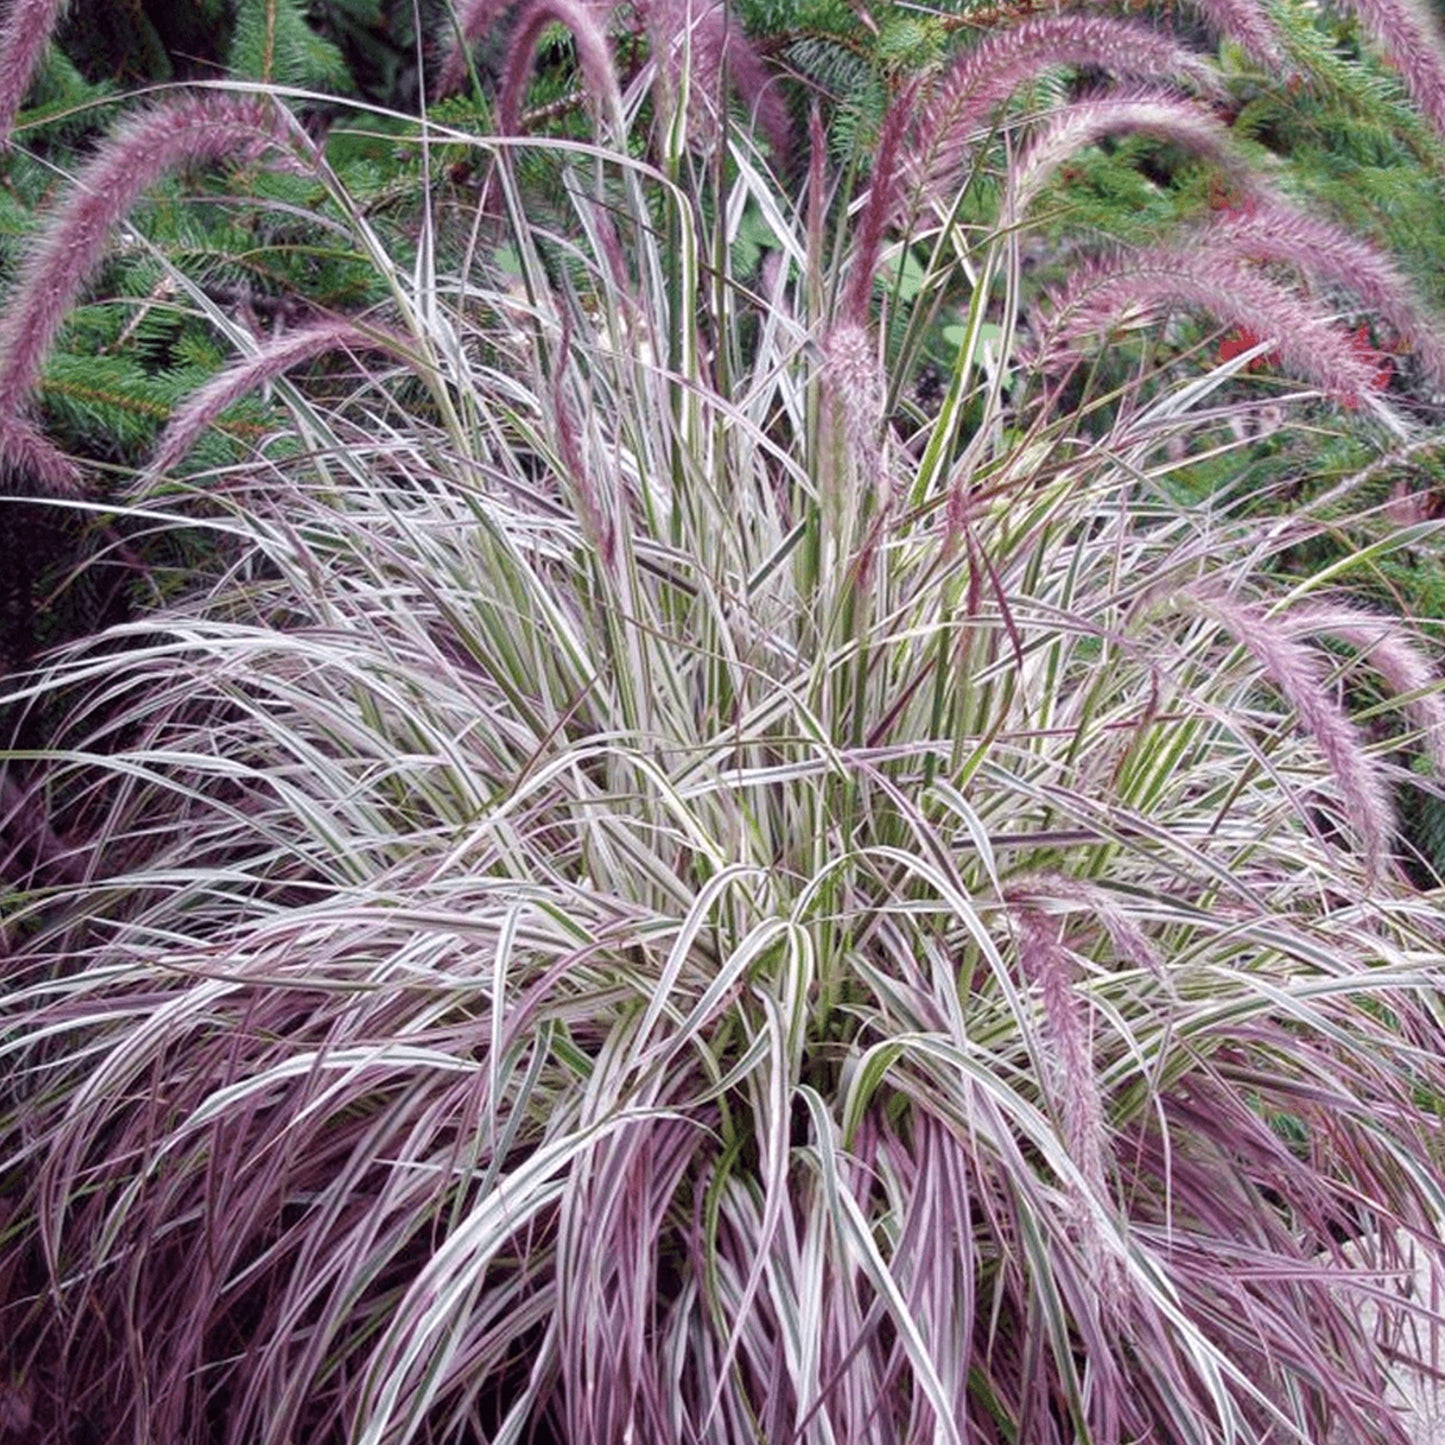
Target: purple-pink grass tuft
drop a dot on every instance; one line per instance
(988, 74)
(24, 34)
(1269, 230)
(599, 75)
(199, 130)
(1410, 40)
(1101, 296)
(1298, 672)
(277, 356)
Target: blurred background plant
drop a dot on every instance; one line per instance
(632, 871)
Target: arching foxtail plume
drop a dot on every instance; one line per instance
(1220, 283)
(599, 74)
(275, 358)
(703, 31)
(986, 75)
(1385, 645)
(24, 34)
(201, 129)
(711, 39)
(475, 19)
(1297, 670)
(1246, 23)
(1410, 40)
(1072, 128)
(1269, 230)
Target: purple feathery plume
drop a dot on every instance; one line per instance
(599, 75)
(1245, 23)
(24, 34)
(1387, 646)
(278, 356)
(1297, 670)
(1100, 296)
(878, 207)
(1270, 230)
(201, 129)
(855, 381)
(1410, 41)
(26, 453)
(474, 19)
(989, 73)
(711, 39)
(1130, 943)
(1072, 128)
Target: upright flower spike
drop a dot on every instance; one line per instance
(199, 130)
(24, 34)
(1047, 964)
(879, 205)
(855, 381)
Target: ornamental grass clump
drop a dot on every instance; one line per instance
(645, 888)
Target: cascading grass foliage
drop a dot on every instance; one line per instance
(642, 887)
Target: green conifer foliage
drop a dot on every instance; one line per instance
(273, 42)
